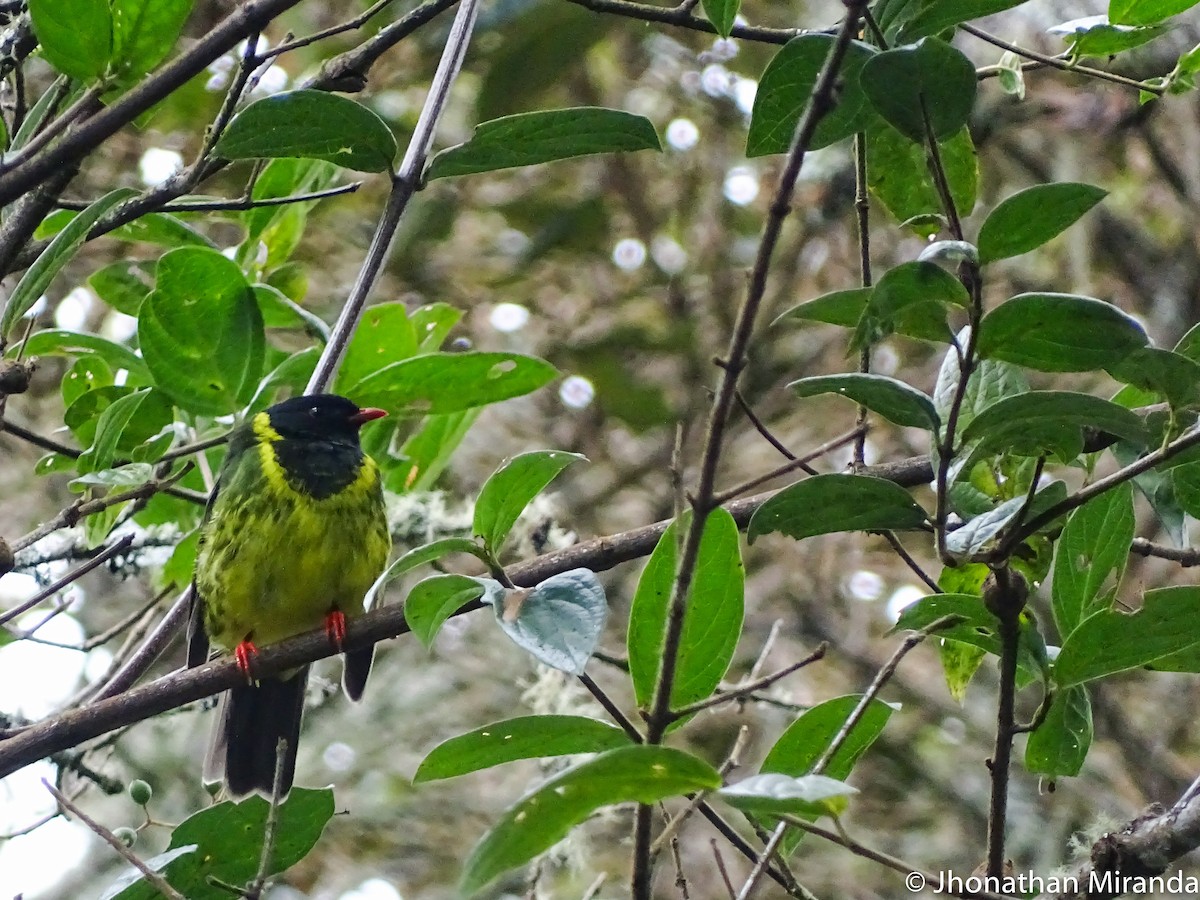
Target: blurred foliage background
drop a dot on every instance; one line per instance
(625, 273)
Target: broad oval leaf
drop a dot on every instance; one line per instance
(1110, 641)
(525, 737)
(712, 621)
(805, 740)
(785, 88)
(642, 774)
(511, 487)
(1171, 375)
(76, 36)
(201, 333)
(1097, 36)
(912, 299)
(1093, 545)
(228, 839)
(1060, 744)
(898, 175)
(836, 308)
(937, 15)
(144, 31)
(438, 383)
(51, 260)
(722, 14)
(59, 342)
(559, 621)
(976, 535)
(1031, 217)
(926, 83)
(1059, 333)
(527, 139)
(893, 399)
(312, 125)
(384, 335)
(1039, 422)
(435, 599)
(823, 504)
(419, 556)
(775, 794)
(1146, 12)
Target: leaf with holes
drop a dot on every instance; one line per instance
(438, 383)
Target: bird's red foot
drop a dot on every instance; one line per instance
(335, 628)
(244, 653)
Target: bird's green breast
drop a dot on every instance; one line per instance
(281, 550)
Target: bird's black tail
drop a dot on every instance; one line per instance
(253, 718)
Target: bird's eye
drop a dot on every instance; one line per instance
(314, 412)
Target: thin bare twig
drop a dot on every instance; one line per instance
(159, 883)
(74, 575)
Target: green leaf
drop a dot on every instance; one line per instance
(384, 335)
(559, 621)
(938, 15)
(1059, 333)
(427, 452)
(837, 308)
(960, 662)
(641, 774)
(929, 74)
(313, 125)
(712, 622)
(432, 324)
(911, 299)
(126, 476)
(990, 382)
(1060, 744)
(144, 31)
(775, 794)
(1145, 12)
(279, 311)
(807, 739)
(201, 333)
(1094, 36)
(227, 840)
(528, 139)
(440, 383)
(1171, 375)
(893, 399)
(419, 556)
(86, 374)
(282, 178)
(510, 489)
(435, 599)
(823, 504)
(1110, 641)
(123, 285)
(898, 175)
(721, 13)
(75, 35)
(291, 375)
(151, 228)
(1041, 422)
(51, 260)
(978, 627)
(124, 424)
(785, 88)
(525, 737)
(1093, 545)
(977, 535)
(57, 342)
(1031, 217)
(1186, 481)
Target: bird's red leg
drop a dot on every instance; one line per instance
(335, 627)
(244, 653)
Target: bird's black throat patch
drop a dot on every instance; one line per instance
(319, 469)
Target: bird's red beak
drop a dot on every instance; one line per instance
(367, 414)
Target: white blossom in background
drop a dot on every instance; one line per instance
(668, 255)
(72, 310)
(576, 392)
(629, 254)
(741, 185)
(865, 585)
(902, 598)
(157, 165)
(509, 317)
(682, 134)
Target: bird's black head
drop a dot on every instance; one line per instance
(320, 417)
